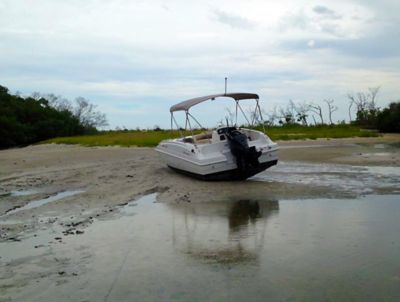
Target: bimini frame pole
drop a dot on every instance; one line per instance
(188, 122)
(260, 113)
(236, 111)
(173, 120)
(257, 116)
(195, 120)
(244, 114)
(187, 119)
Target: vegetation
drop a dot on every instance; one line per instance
(138, 138)
(53, 119)
(151, 138)
(26, 120)
(296, 132)
(364, 104)
(388, 120)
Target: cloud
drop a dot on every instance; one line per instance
(233, 20)
(134, 57)
(295, 20)
(324, 22)
(384, 44)
(326, 12)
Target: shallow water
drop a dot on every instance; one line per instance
(23, 192)
(40, 202)
(347, 178)
(235, 250)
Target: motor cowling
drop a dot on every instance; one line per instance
(246, 157)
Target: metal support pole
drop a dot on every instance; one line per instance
(243, 113)
(195, 120)
(226, 84)
(177, 126)
(237, 103)
(187, 119)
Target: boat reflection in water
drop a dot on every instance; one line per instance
(222, 232)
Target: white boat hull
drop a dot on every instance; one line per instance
(214, 160)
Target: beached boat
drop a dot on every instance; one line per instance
(225, 153)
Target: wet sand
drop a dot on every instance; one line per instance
(110, 176)
(96, 183)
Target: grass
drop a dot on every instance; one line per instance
(151, 138)
(138, 138)
(296, 132)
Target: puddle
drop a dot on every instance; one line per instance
(358, 179)
(41, 202)
(23, 193)
(379, 154)
(225, 250)
(26, 246)
(19, 193)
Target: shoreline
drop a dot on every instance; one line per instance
(110, 176)
(64, 208)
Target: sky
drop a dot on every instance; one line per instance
(135, 59)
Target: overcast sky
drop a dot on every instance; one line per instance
(135, 59)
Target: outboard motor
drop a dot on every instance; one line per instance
(246, 157)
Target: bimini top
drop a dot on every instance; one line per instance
(185, 105)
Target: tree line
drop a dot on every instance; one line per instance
(368, 114)
(27, 120)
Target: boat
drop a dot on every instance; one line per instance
(228, 152)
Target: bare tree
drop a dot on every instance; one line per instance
(59, 103)
(373, 92)
(331, 108)
(88, 115)
(302, 110)
(287, 114)
(317, 109)
(313, 117)
(351, 103)
(56, 101)
(272, 116)
(363, 101)
(229, 117)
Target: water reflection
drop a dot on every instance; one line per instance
(241, 250)
(223, 232)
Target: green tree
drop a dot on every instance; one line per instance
(28, 120)
(388, 120)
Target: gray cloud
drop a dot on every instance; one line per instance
(296, 20)
(301, 21)
(382, 45)
(332, 29)
(233, 21)
(326, 12)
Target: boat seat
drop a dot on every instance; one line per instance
(203, 141)
(200, 136)
(188, 140)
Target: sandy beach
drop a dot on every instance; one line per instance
(98, 181)
(109, 176)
